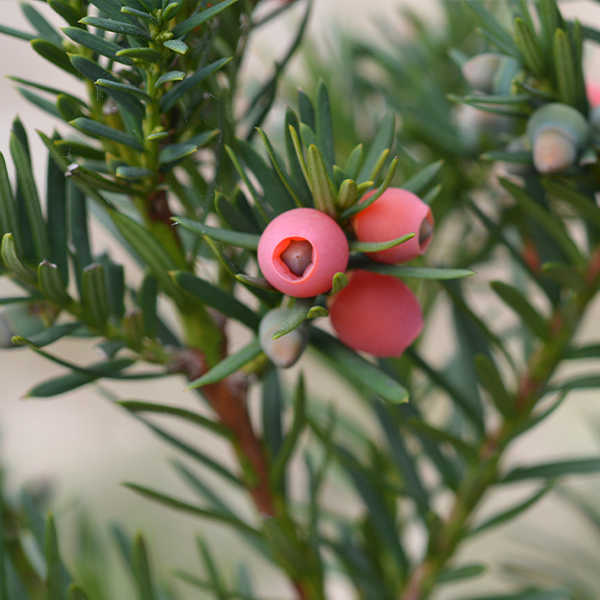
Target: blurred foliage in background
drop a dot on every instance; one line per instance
(488, 118)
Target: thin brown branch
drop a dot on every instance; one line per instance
(159, 209)
(228, 399)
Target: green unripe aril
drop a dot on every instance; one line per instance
(557, 133)
(287, 349)
(491, 73)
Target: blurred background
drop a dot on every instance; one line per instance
(82, 448)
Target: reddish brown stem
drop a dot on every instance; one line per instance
(159, 209)
(593, 268)
(228, 399)
(300, 591)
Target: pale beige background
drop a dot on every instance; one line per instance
(85, 447)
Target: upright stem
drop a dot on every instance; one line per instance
(228, 399)
(542, 365)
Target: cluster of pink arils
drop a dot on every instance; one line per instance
(302, 249)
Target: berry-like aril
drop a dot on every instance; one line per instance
(301, 250)
(395, 213)
(376, 313)
(557, 133)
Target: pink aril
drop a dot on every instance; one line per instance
(395, 213)
(376, 313)
(301, 250)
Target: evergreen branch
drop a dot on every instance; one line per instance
(479, 477)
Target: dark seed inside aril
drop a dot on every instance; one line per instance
(297, 256)
(425, 231)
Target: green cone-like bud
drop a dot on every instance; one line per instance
(19, 320)
(479, 71)
(490, 73)
(557, 133)
(286, 350)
